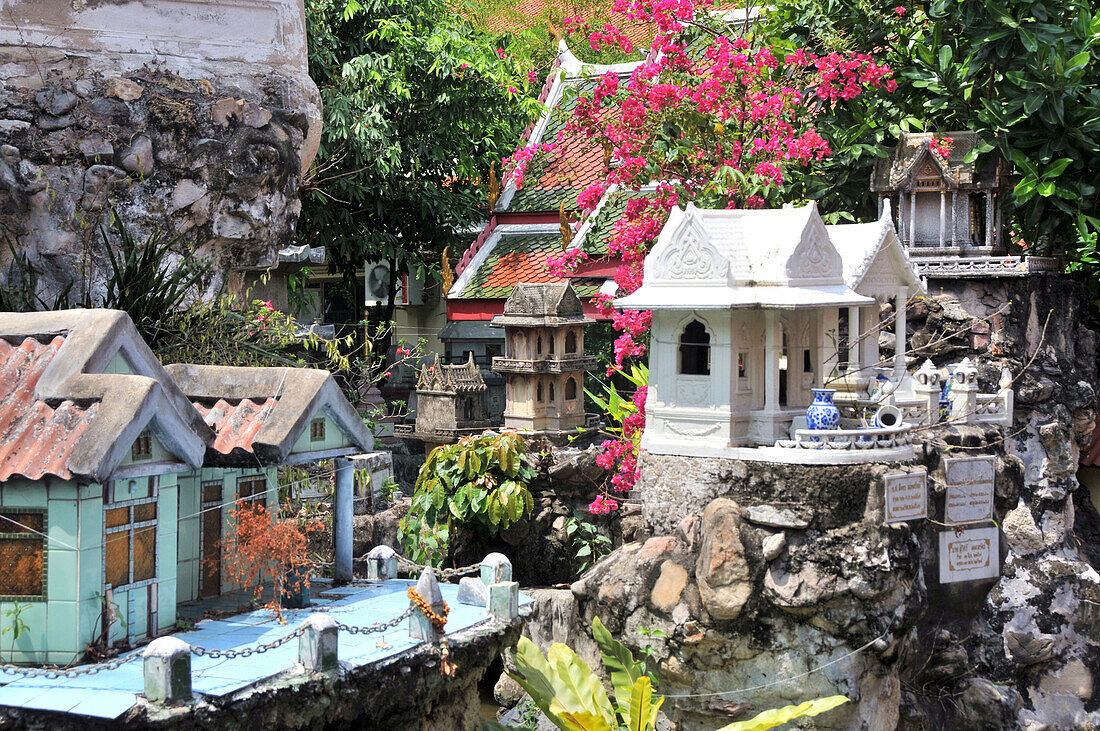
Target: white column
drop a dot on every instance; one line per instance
(854, 333)
(870, 342)
(943, 215)
(773, 345)
(343, 513)
(899, 335)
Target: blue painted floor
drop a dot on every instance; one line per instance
(110, 693)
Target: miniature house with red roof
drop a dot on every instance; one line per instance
(117, 474)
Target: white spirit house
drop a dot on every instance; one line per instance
(747, 307)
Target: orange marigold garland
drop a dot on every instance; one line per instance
(437, 620)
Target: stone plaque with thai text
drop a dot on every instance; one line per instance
(906, 496)
(969, 496)
(969, 555)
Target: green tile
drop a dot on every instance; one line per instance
(64, 522)
(62, 569)
(141, 612)
(91, 521)
(91, 573)
(64, 630)
(166, 604)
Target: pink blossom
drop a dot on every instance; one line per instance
(899, 10)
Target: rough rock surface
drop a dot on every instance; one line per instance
(87, 126)
(827, 599)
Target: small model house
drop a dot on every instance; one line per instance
(449, 403)
(544, 361)
(117, 474)
(746, 312)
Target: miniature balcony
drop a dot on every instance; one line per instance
(569, 364)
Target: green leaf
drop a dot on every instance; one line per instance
(620, 664)
(779, 716)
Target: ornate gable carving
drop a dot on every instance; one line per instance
(690, 254)
(815, 257)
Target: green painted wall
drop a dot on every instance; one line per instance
(334, 438)
(189, 543)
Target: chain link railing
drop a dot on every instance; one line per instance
(409, 567)
(248, 651)
(54, 673)
(377, 626)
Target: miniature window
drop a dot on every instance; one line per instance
(552, 341)
(253, 490)
(571, 342)
(571, 389)
(317, 429)
(742, 359)
(142, 447)
(695, 350)
(552, 399)
(538, 346)
(130, 542)
(23, 554)
(538, 393)
(807, 361)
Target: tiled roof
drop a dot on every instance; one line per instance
(35, 438)
(235, 425)
(598, 234)
(514, 258)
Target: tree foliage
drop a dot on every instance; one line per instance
(1024, 75)
(417, 105)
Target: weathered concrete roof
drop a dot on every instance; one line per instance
(913, 154)
(65, 416)
(542, 304)
(290, 398)
(455, 378)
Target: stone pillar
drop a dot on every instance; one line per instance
(900, 335)
(928, 389)
(773, 345)
(964, 391)
(167, 670)
(989, 218)
(870, 355)
(943, 215)
(954, 213)
(902, 230)
(495, 568)
(504, 600)
(854, 364)
(912, 218)
(419, 626)
(343, 509)
(317, 646)
(381, 563)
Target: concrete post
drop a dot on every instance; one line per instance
(900, 334)
(927, 387)
(495, 568)
(343, 514)
(167, 669)
(504, 600)
(473, 591)
(964, 391)
(420, 628)
(318, 644)
(381, 563)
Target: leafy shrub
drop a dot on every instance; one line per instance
(480, 482)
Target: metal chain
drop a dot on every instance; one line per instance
(54, 673)
(444, 574)
(378, 626)
(246, 652)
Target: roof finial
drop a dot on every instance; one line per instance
(446, 271)
(564, 227)
(494, 187)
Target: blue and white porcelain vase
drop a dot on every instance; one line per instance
(823, 413)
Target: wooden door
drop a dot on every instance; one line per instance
(211, 523)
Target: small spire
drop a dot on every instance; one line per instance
(446, 271)
(564, 227)
(494, 187)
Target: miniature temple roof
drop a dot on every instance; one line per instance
(875, 262)
(63, 413)
(543, 304)
(743, 259)
(464, 378)
(259, 413)
(914, 157)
